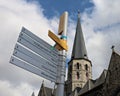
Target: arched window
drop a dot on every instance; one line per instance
(86, 67)
(78, 66)
(78, 75)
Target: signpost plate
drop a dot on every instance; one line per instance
(35, 60)
(33, 36)
(35, 55)
(32, 69)
(46, 52)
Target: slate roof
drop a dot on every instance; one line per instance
(46, 91)
(91, 84)
(79, 49)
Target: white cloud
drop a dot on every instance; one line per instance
(106, 12)
(101, 29)
(13, 15)
(22, 90)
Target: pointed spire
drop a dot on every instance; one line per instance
(79, 49)
(78, 14)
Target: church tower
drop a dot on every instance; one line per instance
(79, 67)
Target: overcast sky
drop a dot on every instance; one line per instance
(100, 21)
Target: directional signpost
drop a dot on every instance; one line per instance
(37, 56)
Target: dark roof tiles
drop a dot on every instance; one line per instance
(79, 49)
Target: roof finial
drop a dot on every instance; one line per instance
(113, 48)
(78, 13)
